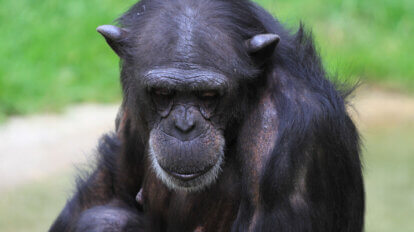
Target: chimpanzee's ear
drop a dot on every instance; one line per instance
(262, 45)
(115, 37)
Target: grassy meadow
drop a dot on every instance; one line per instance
(369, 40)
(51, 56)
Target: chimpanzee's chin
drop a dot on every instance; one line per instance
(186, 178)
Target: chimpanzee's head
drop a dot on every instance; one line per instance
(183, 68)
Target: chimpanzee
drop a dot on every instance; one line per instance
(228, 123)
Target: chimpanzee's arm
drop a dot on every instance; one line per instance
(97, 204)
(89, 211)
(100, 218)
(300, 172)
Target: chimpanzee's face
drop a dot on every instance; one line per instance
(182, 77)
(186, 141)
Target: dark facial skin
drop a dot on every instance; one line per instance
(186, 143)
(184, 83)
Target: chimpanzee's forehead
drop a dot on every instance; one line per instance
(193, 33)
(185, 42)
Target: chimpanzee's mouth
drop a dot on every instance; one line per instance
(189, 166)
(187, 181)
(187, 176)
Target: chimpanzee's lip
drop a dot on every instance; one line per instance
(187, 176)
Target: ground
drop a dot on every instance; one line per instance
(36, 146)
(38, 154)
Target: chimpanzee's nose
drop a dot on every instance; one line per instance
(185, 121)
(185, 126)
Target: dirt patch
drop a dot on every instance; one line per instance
(35, 146)
(375, 107)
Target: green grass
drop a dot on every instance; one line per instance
(389, 179)
(366, 39)
(51, 55)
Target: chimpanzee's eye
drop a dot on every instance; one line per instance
(209, 102)
(208, 95)
(162, 98)
(162, 92)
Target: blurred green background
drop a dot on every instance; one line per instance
(51, 56)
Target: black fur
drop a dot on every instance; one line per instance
(311, 181)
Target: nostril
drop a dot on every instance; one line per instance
(185, 125)
(185, 120)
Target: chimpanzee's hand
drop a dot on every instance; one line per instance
(110, 219)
